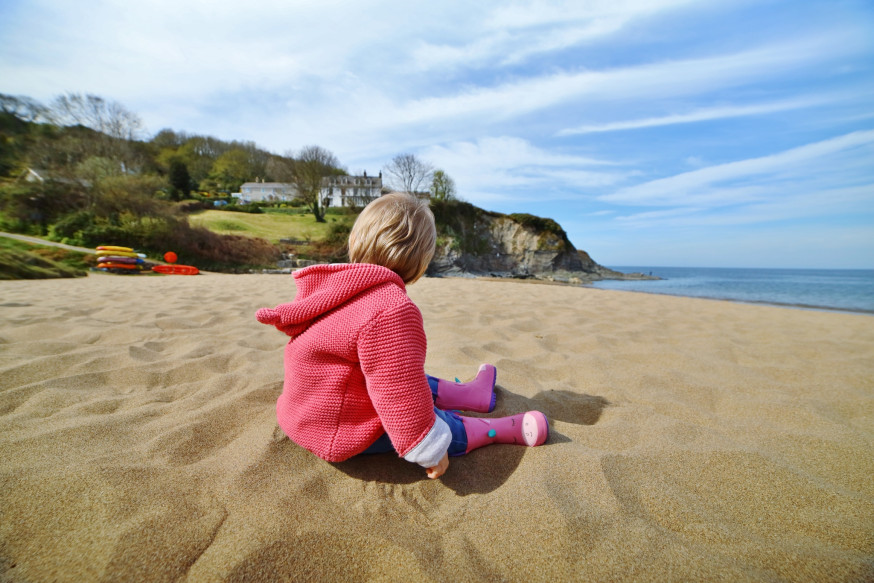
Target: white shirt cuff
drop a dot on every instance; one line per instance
(431, 449)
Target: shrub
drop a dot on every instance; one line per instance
(192, 206)
(334, 247)
(211, 251)
(463, 224)
(241, 208)
(538, 224)
(71, 226)
(31, 208)
(193, 245)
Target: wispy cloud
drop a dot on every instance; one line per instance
(656, 81)
(536, 14)
(697, 115)
(516, 32)
(361, 110)
(798, 206)
(850, 155)
(500, 167)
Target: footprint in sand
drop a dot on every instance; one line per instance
(571, 407)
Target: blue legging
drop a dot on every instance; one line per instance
(458, 445)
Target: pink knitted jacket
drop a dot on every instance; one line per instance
(355, 364)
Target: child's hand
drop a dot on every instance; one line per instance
(440, 468)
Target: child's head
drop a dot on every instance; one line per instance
(396, 231)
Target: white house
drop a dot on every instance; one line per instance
(355, 191)
(44, 176)
(34, 175)
(266, 191)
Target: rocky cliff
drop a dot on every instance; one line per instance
(471, 240)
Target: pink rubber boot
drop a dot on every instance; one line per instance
(477, 395)
(529, 428)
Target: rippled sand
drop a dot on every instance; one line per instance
(691, 440)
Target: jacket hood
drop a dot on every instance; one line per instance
(320, 289)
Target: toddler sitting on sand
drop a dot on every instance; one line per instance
(355, 377)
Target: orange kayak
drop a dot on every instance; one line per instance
(176, 269)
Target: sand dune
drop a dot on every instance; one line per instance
(692, 440)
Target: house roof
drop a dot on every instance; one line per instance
(40, 175)
(345, 180)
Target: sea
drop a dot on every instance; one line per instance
(847, 290)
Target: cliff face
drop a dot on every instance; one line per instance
(471, 240)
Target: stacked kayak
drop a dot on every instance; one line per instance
(119, 259)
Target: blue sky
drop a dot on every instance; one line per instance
(657, 132)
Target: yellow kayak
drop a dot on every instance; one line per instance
(121, 253)
(114, 248)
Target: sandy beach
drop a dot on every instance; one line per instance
(692, 440)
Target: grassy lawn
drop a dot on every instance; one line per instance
(273, 225)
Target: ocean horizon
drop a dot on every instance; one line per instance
(846, 290)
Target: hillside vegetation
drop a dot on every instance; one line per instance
(19, 260)
(78, 172)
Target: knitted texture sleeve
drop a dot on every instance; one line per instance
(391, 350)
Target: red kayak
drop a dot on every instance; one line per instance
(176, 269)
(114, 265)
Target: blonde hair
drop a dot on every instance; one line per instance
(396, 231)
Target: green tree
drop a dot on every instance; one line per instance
(199, 153)
(167, 138)
(180, 179)
(311, 166)
(32, 207)
(94, 169)
(442, 186)
(231, 170)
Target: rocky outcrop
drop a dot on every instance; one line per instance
(477, 242)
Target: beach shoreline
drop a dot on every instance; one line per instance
(793, 306)
(834, 289)
(692, 439)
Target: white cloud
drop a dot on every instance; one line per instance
(512, 33)
(188, 49)
(803, 167)
(657, 80)
(803, 205)
(533, 13)
(705, 114)
(289, 73)
(360, 114)
(503, 47)
(496, 168)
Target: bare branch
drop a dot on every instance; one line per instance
(407, 173)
